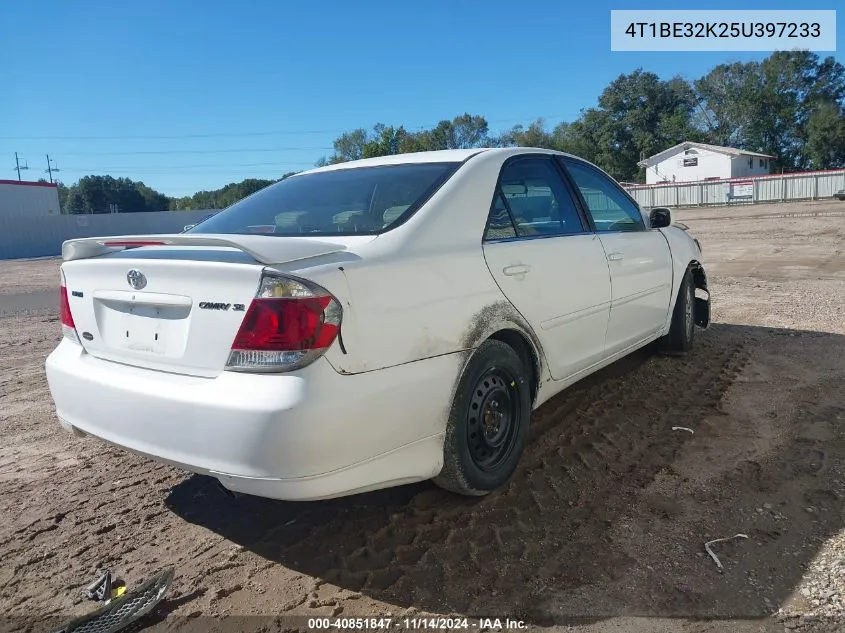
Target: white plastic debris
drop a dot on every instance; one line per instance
(720, 540)
(682, 428)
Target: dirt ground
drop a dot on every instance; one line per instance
(601, 530)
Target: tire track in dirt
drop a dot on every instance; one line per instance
(792, 501)
(593, 448)
(94, 513)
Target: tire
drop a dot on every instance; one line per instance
(681, 335)
(488, 422)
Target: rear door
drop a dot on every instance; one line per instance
(639, 258)
(547, 264)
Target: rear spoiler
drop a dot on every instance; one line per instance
(264, 249)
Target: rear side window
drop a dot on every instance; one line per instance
(499, 226)
(532, 200)
(357, 201)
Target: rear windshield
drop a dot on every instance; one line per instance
(357, 201)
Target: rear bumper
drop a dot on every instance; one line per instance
(305, 435)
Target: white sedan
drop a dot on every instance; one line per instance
(371, 323)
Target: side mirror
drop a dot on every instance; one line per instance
(659, 218)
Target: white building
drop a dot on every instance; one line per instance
(690, 162)
(21, 198)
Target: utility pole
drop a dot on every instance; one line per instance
(50, 169)
(18, 166)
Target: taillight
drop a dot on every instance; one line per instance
(65, 316)
(289, 324)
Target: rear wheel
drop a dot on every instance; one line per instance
(488, 422)
(681, 335)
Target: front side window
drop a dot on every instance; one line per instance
(608, 205)
(357, 201)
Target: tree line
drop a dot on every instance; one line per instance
(790, 105)
(225, 196)
(104, 194)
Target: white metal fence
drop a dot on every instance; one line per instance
(42, 236)
(780, 188)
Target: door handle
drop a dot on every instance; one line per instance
(516, 270)
(615, 257)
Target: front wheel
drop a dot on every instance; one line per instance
(681, 335)
(488, 422)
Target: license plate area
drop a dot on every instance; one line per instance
(144, 330)
(141, 328)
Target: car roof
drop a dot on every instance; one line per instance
(437, 156)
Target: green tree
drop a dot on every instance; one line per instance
(535, 135)
(583, 137)
(767, 106)
(826, 137)
(463, 131)
(637, 115)
(644, 115)
(225, 196)
(468, 131)
(99, 194)
(728, 100)
(63, 193)
(75, 203)
(350, 146)
(153, 200)
(386, 141)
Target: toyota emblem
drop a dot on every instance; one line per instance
(136, 279)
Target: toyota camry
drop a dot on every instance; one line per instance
(371, 323)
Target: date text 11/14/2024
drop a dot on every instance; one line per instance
(415, 623)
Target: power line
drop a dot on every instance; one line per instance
(164, 136)
(159, 152)
(121, 137)
(189, 166)
(169, 172)
(156, 170)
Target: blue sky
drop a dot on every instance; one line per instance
(192, 95)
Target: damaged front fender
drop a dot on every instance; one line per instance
(702, 304)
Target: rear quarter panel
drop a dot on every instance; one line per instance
(422, 289)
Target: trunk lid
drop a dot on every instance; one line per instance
(174, 308)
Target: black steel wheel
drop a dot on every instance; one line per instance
(488, 422)
(493, 419)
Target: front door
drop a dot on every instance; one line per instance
(639, 259)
